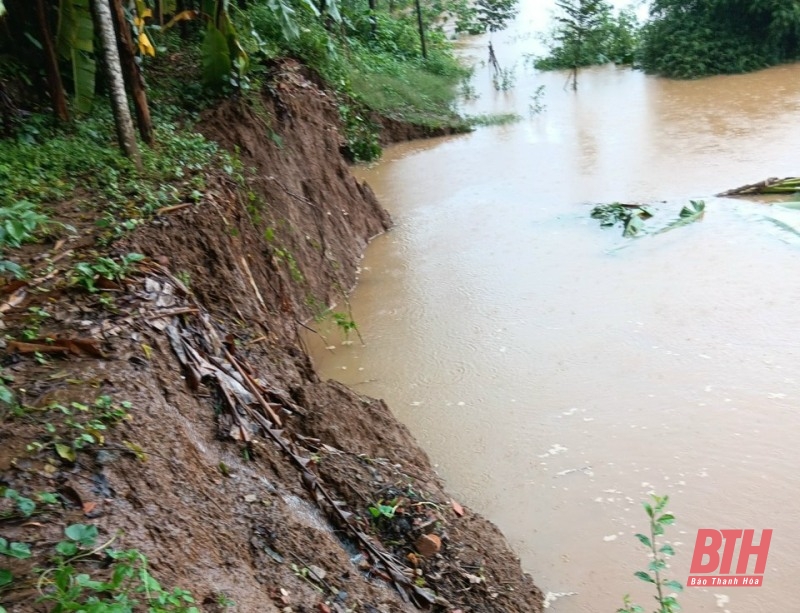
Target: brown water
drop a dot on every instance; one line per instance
(555, 378)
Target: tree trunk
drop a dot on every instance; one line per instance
(421, 30)
(133, 75)
(51, 65)
(373, 24)
(116, 84)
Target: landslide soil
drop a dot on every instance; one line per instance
(261, 497)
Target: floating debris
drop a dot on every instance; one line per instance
(773, 185)
(633, 217)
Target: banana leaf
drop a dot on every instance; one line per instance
(216, 57)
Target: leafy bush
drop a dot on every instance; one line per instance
(705, 37)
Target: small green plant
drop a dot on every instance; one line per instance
(536, 106)
(21, 222)
(85, 426)
(659, 517)
(286, 256)
(18, 551)
(87, 274)
(24, 507)
(6, 393)
(387, 511)
(126, 586)
(345, 323)
(504, 79)
(36, 316)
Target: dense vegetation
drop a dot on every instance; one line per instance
(680, 40)
(704, 37)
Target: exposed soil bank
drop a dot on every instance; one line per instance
(273, 516)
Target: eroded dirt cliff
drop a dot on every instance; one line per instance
(240, 474)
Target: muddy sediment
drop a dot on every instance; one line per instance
(240, 474)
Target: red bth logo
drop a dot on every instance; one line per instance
(714, 556)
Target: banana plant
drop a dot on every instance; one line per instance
(75, 43)
(224, 59)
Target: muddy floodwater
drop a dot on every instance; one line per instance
(557, 373)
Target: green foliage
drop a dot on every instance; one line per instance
(82, 425)
(379, 509)
(125, 586)
(87, 273)
(345, 323)
(658, 518)
(6, 393)
(588, 33)
(75, 43)
(23, 506)
(705, 37)
(21, 222)
(81, 163)
(485, 15)
(372, 61)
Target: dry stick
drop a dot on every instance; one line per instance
(253, 282)
(173, 208)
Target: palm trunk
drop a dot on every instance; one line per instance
(116, 84)
(132, 74)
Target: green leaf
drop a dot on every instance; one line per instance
(667, 550)
(84, 70)
(5, 579)
(656, 565)
(47, 498)
(2, 12)
(661, 502)
(66, 548)
(85, 535)
(26, 506)
(21, 551)
(666, 519)
(216, 59)
(644, 540)
(674, 585)
(66, 452)
(643, 576)
(648, 509)
(6, 394)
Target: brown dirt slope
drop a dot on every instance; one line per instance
(239, 473)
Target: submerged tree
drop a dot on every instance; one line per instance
(578, 20)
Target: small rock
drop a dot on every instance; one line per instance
(323, 608)
(428, 545)
(317, 572)
(250, 498)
